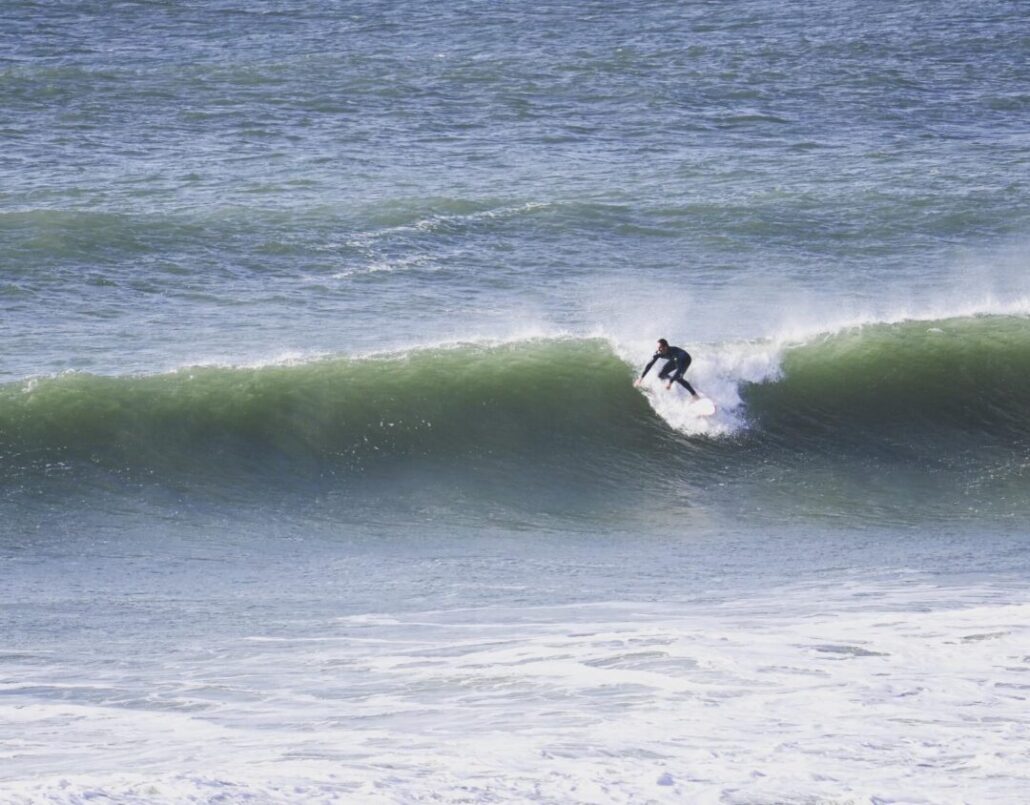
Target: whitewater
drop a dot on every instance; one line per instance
(323, 475)
(829, 699)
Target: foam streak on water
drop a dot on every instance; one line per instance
(909, 693)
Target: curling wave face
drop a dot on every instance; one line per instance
(843, 415)
(967, 375)
(529, 421)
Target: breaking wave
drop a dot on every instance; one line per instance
(538, 415)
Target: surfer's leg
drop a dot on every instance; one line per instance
(679, 379)
(667, 370)
(681, 369)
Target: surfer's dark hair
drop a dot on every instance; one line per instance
(663, 342)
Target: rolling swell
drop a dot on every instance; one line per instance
(929, 379)
(503, 415)
(848, 419)
(894, 423)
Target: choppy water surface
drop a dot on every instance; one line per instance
(318, 440)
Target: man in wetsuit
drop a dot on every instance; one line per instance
(677, 362)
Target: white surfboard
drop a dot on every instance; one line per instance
(703, 406)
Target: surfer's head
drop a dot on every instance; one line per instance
(663, 345)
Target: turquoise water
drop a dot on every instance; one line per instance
(318, 438)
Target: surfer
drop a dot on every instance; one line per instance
(677, 362)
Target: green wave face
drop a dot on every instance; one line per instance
(940, 378)
(518, 419)
(896, 423)
(862, 421)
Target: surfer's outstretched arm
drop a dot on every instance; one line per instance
(647, 368)
(650, 363)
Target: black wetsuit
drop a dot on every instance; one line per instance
(678, 361)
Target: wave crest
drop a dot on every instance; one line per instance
(544, 409)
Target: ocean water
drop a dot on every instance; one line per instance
(323, 477)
